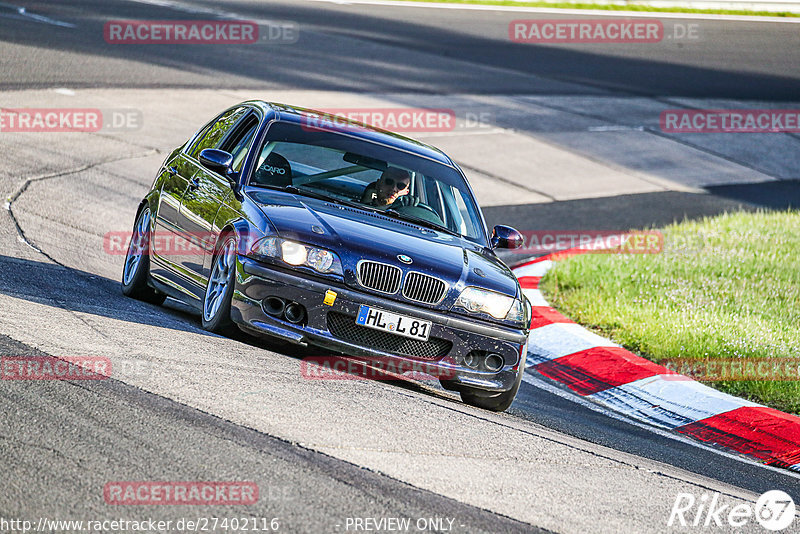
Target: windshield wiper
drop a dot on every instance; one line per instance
(308, 193)
(314, 194)
(421, 221)
(297, 191)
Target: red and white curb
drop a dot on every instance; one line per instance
(602, 371)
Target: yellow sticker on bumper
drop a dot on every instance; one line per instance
(330, 297)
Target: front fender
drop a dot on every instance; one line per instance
(151, 201)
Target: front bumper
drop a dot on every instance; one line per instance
(333, 327)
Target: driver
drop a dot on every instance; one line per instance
(392, 185)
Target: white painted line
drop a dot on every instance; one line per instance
(555, 390)
(21, 12)
(64, 91)
(560, 339)
(615, 128)
(559, 11)
(668, 403)
(534, 269)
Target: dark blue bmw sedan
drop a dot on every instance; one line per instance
(344, 237)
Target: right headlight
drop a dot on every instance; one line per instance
(297, 254)
(499, 306)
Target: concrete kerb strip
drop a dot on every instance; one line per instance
(597, 369)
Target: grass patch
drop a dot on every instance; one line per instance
(726, 287)
(628, 7)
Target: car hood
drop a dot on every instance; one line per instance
(357, 234)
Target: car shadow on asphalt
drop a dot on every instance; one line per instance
(79, 291)
(777, 195)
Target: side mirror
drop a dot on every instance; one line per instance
(215, 160)
(507, 237)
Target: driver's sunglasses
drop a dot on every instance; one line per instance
(391, 182)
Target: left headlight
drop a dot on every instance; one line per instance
(297, 254)
(499, 306)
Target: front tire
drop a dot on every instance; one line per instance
(219, 291)
(136, 271)
(496, 403)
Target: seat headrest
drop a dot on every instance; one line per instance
(274, 171)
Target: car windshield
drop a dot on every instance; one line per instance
(354, 172)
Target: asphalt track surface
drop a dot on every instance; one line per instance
(752, 60)
(63, 441)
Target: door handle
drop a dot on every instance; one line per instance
(194, 183)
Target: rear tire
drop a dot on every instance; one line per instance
(219, 291)
(499, 402)
(136, 271)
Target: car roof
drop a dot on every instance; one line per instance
(363, 131)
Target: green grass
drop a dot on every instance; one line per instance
(726, 287)
(628, 7)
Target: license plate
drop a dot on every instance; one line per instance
(393, 323)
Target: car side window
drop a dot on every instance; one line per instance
(214, 133)
(239, 141)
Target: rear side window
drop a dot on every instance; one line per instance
(215, 132)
